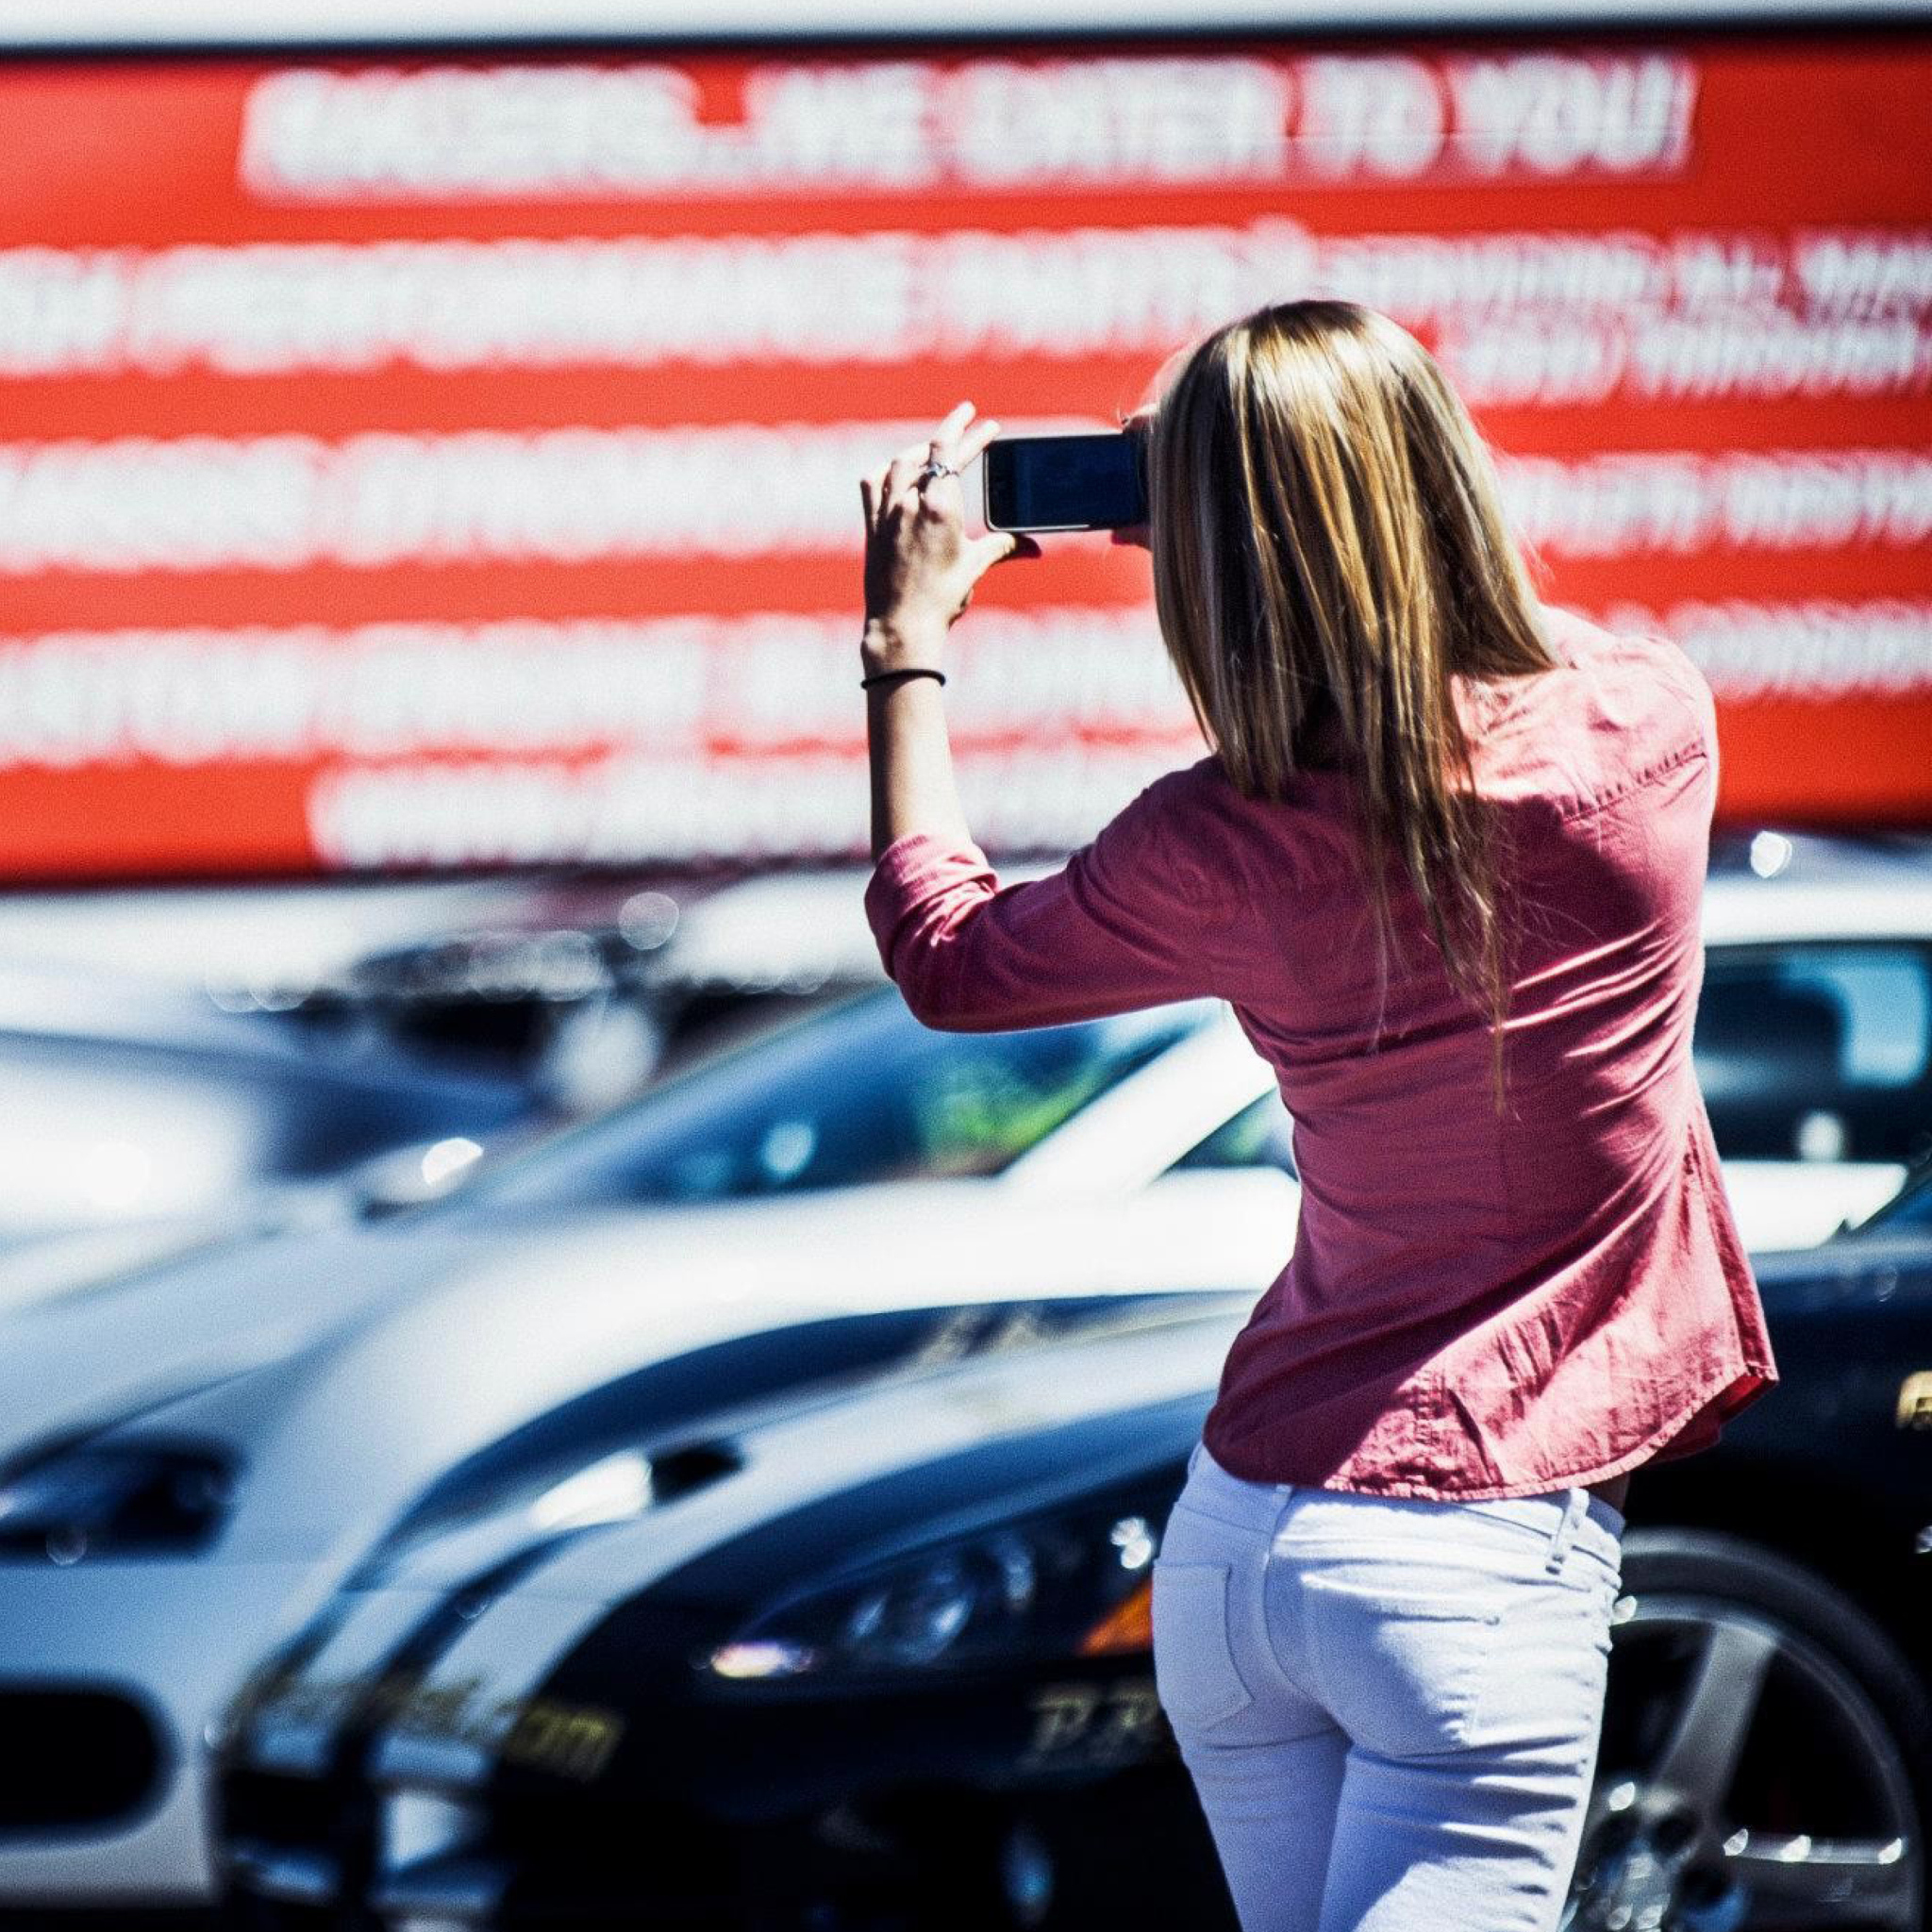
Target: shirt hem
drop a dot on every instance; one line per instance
(1750, 1380)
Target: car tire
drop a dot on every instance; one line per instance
(1764, 1757)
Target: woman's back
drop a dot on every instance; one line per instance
(1478, 1302)
(1450, 1257)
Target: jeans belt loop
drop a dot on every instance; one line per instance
(1284, 1496)
(1195, 1455)
(1576, 1506)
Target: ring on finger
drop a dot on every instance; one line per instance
(935, 468)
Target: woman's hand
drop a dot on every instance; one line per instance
(1140, 422)
(921, 566)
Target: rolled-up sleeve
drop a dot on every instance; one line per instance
(1127, 923)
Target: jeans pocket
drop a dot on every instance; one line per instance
(1194, 1672)
(1606, 1588)
(1404, 1669)
(1600, 1556)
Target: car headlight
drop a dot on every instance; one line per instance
(114, 1499)
(1073, 1585)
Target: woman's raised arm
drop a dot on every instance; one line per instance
(1128, 922)
(1120, 926)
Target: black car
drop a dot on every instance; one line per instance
(872, 1652)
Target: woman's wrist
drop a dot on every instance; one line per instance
(889, 644)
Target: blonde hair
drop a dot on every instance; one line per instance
(1329, 553)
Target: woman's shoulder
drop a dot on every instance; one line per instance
(1621, 705)
(1194, 807)
(1206, 794)
(1223, 839)
(1624, 658)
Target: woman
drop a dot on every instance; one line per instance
(1445, 859)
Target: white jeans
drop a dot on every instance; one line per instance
(1390, 1708)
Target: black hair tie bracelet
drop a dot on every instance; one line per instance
(904, 671)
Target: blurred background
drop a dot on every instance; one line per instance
(441, 1051)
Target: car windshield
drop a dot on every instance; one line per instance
(1818, 1051)
(858, 1094)
(1911, 1208)
(1807, 1052)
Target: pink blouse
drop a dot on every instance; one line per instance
(1475, 1306)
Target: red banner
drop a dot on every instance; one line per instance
(454, 462)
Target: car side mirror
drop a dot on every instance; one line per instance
(405, 1178)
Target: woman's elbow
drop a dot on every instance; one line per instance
(932, 1007)
(944, 1004)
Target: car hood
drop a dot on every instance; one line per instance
(910, 1454)
(1099, 1378)
(51, 1267)
(507, 1318)
(99, 1354)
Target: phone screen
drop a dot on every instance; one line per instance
(1065, 482)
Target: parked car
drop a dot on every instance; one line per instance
(552, 982)
(141, 1120)
(306, 1056)
(876, 1656)
(152, 1541)
(856, 1162)
(1814, 1040)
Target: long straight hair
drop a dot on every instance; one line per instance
(1329, 553)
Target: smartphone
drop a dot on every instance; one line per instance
(1065, 482)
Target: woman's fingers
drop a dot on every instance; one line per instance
(920, 565)
(973, 443)
(996, 546)
(948, 434)
(904, 469)
(957, 443)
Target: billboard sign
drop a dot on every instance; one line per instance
(452, 460)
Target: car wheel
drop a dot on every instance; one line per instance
(1764, 1760)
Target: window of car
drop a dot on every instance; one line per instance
(1818, 1052)
(98, 1131)
(1911, 1208)
(860, 1094)
(1258, 1136)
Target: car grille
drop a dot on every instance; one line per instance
(75, 1758)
